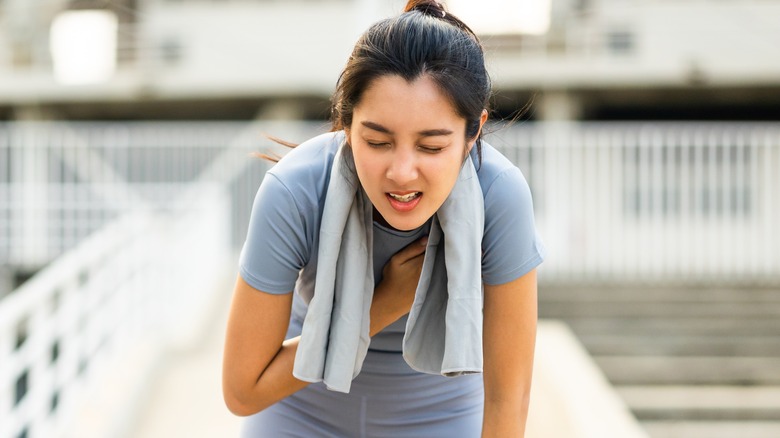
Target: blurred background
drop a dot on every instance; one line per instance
(647, 130)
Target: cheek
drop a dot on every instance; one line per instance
(443, 177)
(443, 170)
(368, 169)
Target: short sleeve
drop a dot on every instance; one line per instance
(275, 249)
(511, 245)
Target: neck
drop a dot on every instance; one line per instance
(381, 220)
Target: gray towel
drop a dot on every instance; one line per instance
(444, 329)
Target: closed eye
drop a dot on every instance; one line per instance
(376, 144)
(430, 149)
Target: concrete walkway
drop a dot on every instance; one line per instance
(571, 398)
(187, 397)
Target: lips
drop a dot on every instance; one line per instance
(404, 202)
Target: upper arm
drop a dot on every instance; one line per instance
(256, 328)
(277, 243)
(512, 250)
(510, 316)
(511, 246)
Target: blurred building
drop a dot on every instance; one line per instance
(244, 59)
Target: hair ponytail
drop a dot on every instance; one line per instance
(428, 7)
(435, 9)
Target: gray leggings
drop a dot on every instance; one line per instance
(387, 399)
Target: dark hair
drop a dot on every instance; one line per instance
(424, 40)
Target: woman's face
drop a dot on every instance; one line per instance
(409, 144)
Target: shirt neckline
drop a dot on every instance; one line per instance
(401, 233)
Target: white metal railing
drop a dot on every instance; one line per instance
(654, 202)
(138, 284)
(59, 182)
(615, 202)
(147, 209)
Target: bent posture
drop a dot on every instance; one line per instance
(408, 114)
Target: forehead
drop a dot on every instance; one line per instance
(393, 99)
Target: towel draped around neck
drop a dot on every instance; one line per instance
(444, 328)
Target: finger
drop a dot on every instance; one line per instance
(412, 250)
(417, 260)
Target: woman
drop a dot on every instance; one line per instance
(408, 110)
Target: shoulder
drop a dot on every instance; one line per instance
(498, 176)
(510, 244)
(305, 170)
(286, 214)
(312, 158)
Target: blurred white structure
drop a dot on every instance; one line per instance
(522, 17)
(570, 397)
(615, 202)
(597, 55)
(94, 324)
(133, 226)
(83, 46)
(654, 203)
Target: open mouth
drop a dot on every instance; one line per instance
(405, 198)
(404, 203)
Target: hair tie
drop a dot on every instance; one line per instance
(430, 8)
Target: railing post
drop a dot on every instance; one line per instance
(29, 175)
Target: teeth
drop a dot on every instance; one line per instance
(405, 198)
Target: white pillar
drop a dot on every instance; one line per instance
(559, 106)
(557, 110)
(282, 110)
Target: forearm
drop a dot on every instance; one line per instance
(386, 308)
(275, 383)
(505, 418)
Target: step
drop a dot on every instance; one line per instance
(636, 293)
(712, 429)
(687, 402)
(610, 309)
(698, 397)
(716, 370)
(680, 345)
(675, 326)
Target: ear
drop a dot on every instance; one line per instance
(482, 119)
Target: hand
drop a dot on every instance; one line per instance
(394, 295)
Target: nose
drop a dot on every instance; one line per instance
(403, 167)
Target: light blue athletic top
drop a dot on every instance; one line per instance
(280, 252)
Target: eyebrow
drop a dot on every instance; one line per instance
(425, 133)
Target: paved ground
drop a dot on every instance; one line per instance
(187, 400)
